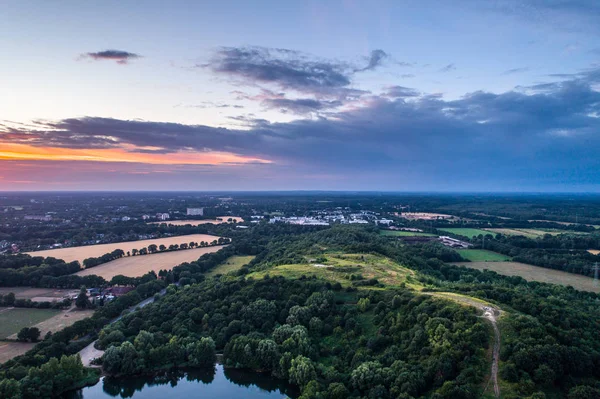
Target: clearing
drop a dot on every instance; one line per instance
(218, 220)
(340, 267)
(12, 320)
(594, 251)
(94, 251)
(400, 233)
(466, 232)
(426, 216)
(232, 263)
(63, 319)
(482, 255)
(136, 266)
(535, 273)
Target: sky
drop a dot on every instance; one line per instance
(401, 95)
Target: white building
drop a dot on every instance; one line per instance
(195, 211)
(163, 216)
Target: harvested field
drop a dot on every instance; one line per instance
(10, 350)
(467, 232)
(135, 266)
(218, 220)
(12, 320)
(89, 251)
(482, 255)
(38, 294)
(61, 320)
(594, 251)
(529, 233)
(534, 273)
(232, 263)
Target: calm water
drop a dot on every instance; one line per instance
(209, 384)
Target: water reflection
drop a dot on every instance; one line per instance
(212, 383)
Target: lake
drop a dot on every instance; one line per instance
(218, 383)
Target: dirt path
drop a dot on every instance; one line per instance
(490, 313)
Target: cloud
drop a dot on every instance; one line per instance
(400, 92)
(291, 70)
(375, 60)
(515, 70)
(300, 105)
(448, 68)
(121, 57)
(543, 137)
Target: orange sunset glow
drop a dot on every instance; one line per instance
(124, 154)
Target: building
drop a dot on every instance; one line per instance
(145, 217)
(195, 211)
(163, 216)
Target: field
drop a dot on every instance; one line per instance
(339, 267)
(89, 251)
(9, 350)
(218, 220)
(482, 255)
(135, 266)
(464, 231)
(231, 264)
(534, 273)
(398, 233)
(38, 294)
(13, 319)
(529, 233)
(594, 251)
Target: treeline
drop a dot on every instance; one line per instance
(25, 270)
(9, 299)
(308, 334)
(151, 249)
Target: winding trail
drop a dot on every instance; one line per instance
(490, 313)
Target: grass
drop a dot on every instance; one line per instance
(466, 232)
(13, 320)
(231, 264)
(535, 273)
(397, 233)
(340, 266)
(482, 255)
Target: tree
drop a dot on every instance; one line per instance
(34, 334)
(152, 248)
(10, 389)
(82, 301)
(162, 247)
(202, 353)
(9, 299)
(302, 371)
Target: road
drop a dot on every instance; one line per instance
(89, 353)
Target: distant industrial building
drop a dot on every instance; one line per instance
(163, 216)
(195, 211)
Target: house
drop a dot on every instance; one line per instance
(145, 217)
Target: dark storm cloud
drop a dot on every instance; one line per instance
(121, 57)
(550, 132)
